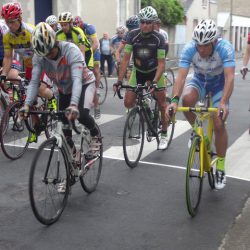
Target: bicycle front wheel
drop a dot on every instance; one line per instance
(194, 178)
(49, 182)
(169, 75)
(13, 133)
(133, 137)
(103, 89)
(92, 168)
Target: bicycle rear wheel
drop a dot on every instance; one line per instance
(92, 171)
(49, 174)
(158, 125)
(103, 89)
(13, 132)
(133, 137)
(194, 178)
(3, 105)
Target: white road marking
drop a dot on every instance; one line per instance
(117, 151)
(238, 157)
(107, 118)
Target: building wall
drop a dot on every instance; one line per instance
(239, 7)
(28, 9)
(195, 12)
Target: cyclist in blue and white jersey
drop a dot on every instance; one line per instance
(213, 61)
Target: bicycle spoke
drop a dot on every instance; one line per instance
(194, 179)
(46, 176)
(133, 138)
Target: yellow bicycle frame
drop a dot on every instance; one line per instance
(203, 114)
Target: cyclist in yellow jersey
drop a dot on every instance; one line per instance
(18, 39)
(75, 35)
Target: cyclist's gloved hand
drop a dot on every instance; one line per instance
(223, 111)
(72, 112)
(23, 112)
(117, 86)
(244, 71)
(172, 107)
(2, 80)
(152, 86)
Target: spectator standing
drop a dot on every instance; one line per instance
(106, 53)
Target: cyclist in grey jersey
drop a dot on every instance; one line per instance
(65, 66)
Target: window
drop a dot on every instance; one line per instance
(137, 4)
(204, 3)
(123, 12)
(195, 22)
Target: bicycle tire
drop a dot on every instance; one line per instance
(170, 77)
(134, 124)
(3, 105)
(13, 133)
(41, 175)
(103, 89)
(194, 179)
(90, 179)
(158, 125)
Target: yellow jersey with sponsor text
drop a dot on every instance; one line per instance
(20, 42)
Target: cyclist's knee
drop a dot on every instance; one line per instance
(189, 100)
(129, 100)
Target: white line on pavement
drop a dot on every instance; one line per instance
(180, 128)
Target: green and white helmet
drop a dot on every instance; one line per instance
(43, 39)
(65, 17)
(148, 13)
(51, 20)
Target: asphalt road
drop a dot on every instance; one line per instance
(143, 208)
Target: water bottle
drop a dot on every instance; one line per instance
(146, 105)
(10, 92)
(86, 139)
(207, 143)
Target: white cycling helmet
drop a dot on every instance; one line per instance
(51, 20)
(120, 29)
(205, 32)
(43, 39)
(65, 17)
(148, 13)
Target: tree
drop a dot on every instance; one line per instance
(170, 12)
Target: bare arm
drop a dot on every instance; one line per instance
(82, 48)
(118, 52)
(180, 81)
(124, 65)
(246, 56)
(7, 61)
(227, 91)
(160, 69)
(95, 43)
(229, 84)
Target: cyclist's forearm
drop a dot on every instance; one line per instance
(246, 56)
(229, 85)
(95, 44)
(160, 70)
(7, 61)
(123, 67)
(228, 89)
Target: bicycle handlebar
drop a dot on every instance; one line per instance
(137, 88)
(54, 114)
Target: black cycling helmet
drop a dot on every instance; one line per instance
(132, 22)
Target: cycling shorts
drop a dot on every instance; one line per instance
(97, 56)
(215, 86)
(138, 77)
(16, 65)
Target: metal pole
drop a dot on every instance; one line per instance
(230, 25)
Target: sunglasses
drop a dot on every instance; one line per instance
(146, 21)
(11, 21)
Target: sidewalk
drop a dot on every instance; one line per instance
(238, 236)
